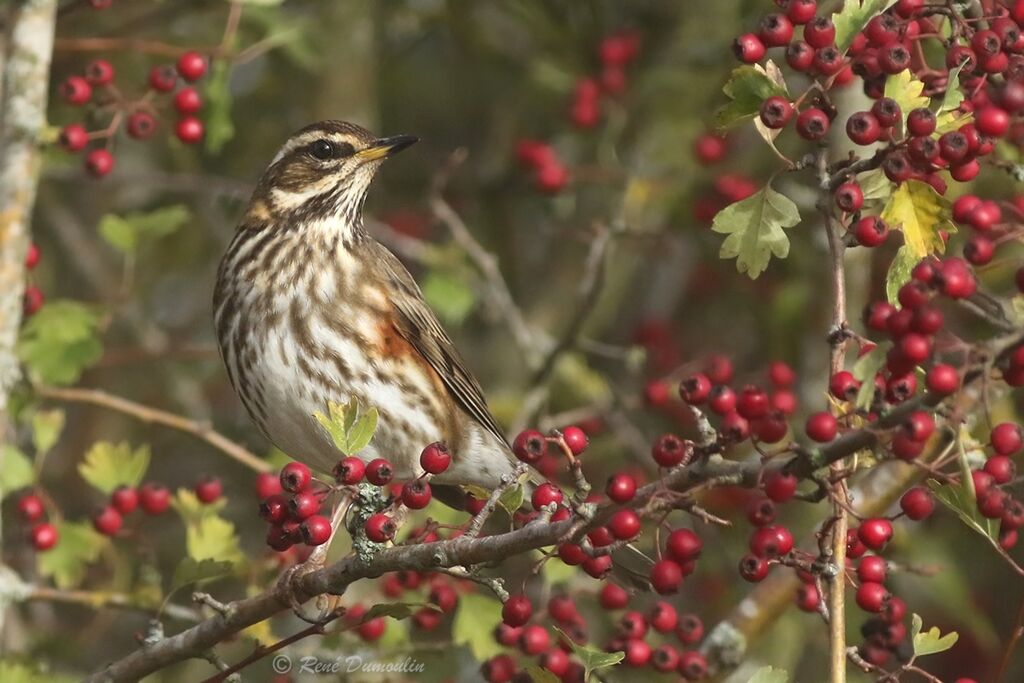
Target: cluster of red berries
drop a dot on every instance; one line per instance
(152, 497)
(616, 52)
(989, 230)
(33, 298)
(998, 471)
(31, 510)
(751, 410)
(440, 590)
(550, 174)
(293, 519)
(139, 117)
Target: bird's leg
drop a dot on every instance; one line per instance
(287, 582)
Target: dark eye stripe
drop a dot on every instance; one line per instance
(325, 149)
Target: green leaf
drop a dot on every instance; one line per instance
(592, 659)
(191, 571)
(350, 430)
(512, 499)
(362, 430)
(212, 538)
(931, 641)
(449, 295)
(768, 674)
(875, 185)
(899, 272)
(47, 426)
(475, 619)
(964, 504)
(107, 466)
(78, 544)
(920, 213)
(541, 675)
(865, 369)
(60, 341)
(854, 17)
(949, 117)
(219, 126)
(748, 86)
(907, 91)
(15, 469)
(755, 229)
(396, 610)
(126, 232)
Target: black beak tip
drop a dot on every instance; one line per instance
(396, 143)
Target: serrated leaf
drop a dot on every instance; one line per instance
(931, 641)
(475, 619)
(920, 213)
(362, 431)
(512, 499)
(47, 426)
(541, 675)
(767, 674)
(15, 469)
(756, 229)
(592, 659)
(219, 126)
(212, 538)
(907, 91)
(899, 273)
(449, 295)
(60, 341)
(949, 117)
(126, 232)
(865, 369)
(78, 544)
(854, 17)
(190, 571)
(966, 508)
(748, 86)
(875, 185)
(107, 466)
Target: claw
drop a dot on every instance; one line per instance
(288, 582)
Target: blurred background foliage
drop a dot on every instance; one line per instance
(141, 247)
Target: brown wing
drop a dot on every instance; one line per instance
(417, 323)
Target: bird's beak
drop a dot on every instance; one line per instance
(385, 147)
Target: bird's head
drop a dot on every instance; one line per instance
(322, 173)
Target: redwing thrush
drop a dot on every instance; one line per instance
(309, 308)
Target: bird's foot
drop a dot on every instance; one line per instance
(289, 582)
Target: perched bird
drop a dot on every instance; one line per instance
(309, 308)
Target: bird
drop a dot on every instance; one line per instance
(309, 309)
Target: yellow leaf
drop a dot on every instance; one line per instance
(906, 90)
(920, 212)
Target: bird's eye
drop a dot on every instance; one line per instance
(322, 150)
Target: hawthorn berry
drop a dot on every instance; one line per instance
(800, 56)
(416, 494)
(274, 509)
(666, 576)
(775, 30)
(780, 486)
(576, 439)
(620, 488)
(1001, 468)
(107, 520)
(191, 66)
(267, 484)
(669, 450)
(163, 78)
(624, 524)
(820, 32)
(1006, 438)
(722, 399)
(379, 472)
(875, 533)
(516, 611)
(530, 446)
(435, 458)
(154, 499)
(380, 528)
(189, 130)
(871, 231)
(776, 111)
(683, 545)
(316, 530)
(748, 48)
(753, 568)
(872, 568)
(822, 427)
(43, 536)
(30, 508)
(693, 666)
(99, 162)
(863, 128)
(349, 471)
(546, 494)
(295, 477)
(812, 124)
(73, 137)
(76, 90)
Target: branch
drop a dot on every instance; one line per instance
(146, 414)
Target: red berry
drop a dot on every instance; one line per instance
(871, 597)
(99, 162)
(663, 617)
(208, 489)
(669, 450)
(863, 128)
(722, 399)
(638, 653)
(416, 495)
(163, 78)
(822, 427)
(807, 598)
(820, 32)
(1001, 468)
(530, 446)
(683, 546)
(776, 112)
(801, 11)
(154, 498)
(534, 639)
(666, 576)
(748, 48)
(1006, 438)
(812, 124)
(316, 530)
(752, 402)
(267, 485)
(76, 90)
(771, 541)
(380, 528)
(73, 137)
(753, 568)
(942, 379)
(979, 250)
(709, 148)
(692, 665)
(624, 524)
(551, 178)
(621, 488)
(191, 66)
(576, 439)
(873, 568)
(613, 596)
(99, 72)
(30, 508)
(800, 56)
(188, 101)
(545, 494)
(875, 533)
(887, 111)
(379, 472)
(871, 231)
(516, 611)
(274, 509)
(781, 375)
(295, 477)
(775, 30)
(498, 669)
(349, 471)
(303, 505)
(780, 487)
(43, 536)
(761, 512)
(107, 520)
(189, 130)
(921, 122)
(435, 458)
